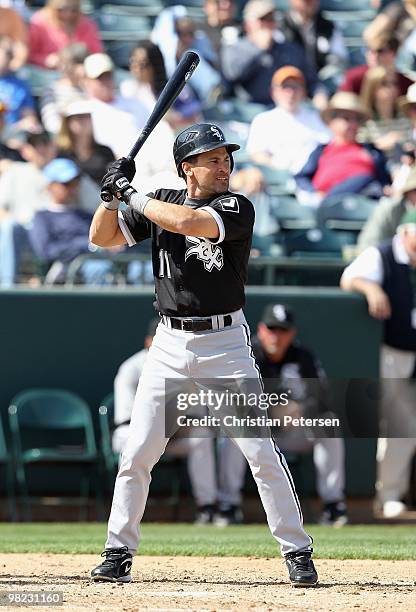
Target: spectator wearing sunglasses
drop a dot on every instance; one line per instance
(382, 51)
(343, 165)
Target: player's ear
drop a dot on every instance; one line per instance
(187, 168)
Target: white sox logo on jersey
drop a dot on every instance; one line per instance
(205, 251)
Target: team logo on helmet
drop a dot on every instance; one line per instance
(189, 136)
(216, 132)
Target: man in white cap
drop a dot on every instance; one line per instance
(117, 120)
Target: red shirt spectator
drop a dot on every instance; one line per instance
(56, 26)
(340, 162)
(344, 165)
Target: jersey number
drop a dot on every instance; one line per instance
(164, 264)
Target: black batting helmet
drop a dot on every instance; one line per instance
(200, 138)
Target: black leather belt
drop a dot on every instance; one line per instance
(196, 325)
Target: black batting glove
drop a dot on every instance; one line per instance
(124, 166)
(118, 185)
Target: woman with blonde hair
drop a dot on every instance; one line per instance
(59, 24)
(386, 127)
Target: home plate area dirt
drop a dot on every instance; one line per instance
(214, 583)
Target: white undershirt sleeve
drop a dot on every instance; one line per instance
(368, 265)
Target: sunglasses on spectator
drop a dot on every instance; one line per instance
(295, 85)
(268, 17)
(68, 9)
(139, 63)
(346, 117)
(380, 51)
(72, 182)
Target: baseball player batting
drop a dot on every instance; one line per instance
(201, 239)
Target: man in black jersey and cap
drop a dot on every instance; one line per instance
(201, 239)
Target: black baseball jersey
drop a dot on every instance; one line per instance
(197, 276)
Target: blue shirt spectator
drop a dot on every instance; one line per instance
(14, 92)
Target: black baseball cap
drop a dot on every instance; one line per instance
(278, 316)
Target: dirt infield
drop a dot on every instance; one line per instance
(214, 583)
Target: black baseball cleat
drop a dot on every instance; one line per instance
(334, 514)
(228, 515)
(205, 514)
(115, 568)
(302, 572)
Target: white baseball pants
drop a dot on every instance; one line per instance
(186, 356)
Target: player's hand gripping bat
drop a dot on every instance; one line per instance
(183, 72)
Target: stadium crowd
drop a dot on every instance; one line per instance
(321, 99)
(320, 95)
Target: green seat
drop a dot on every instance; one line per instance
(233, 109)
(116, 24)
(291, 215)
(111, 459)
(278, 182)
(53, 427)
(6, 464)
(345, 212)
(317, 242)
(346, 5)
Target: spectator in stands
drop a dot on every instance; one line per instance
(283, 360)
(200, 452)
(321, 39)
(148, 77)
(386, 127)
(27, 177)
(382, 51)
(384, 220)
(15, 93)
(76, 141)
(66, 89)
(59, 24)
(7, 154)
(297, 128)
(249, 63)
(12, 26)
(116, 120)
(395, 17)
(383, 275)
(175, 32)
(61, 232)
(220, 24)
(343, 165)
(406, 58)
(408, 107)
